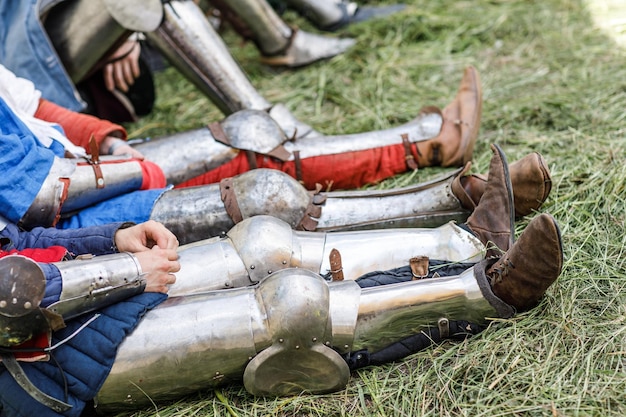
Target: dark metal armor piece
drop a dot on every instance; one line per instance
(324, 13)
(22, 287)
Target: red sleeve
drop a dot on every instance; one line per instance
(78, 127)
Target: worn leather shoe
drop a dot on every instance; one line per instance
(530, 178)
(461, 120)
(492, 221)
(522, 276)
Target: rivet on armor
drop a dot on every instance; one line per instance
(297, 346)
(252, 266)
(314, 339)
(359, 356)
(14, 301)
(284, 262)
(269, 271)
(327, 343)
(27, 305)
(3, 304)
(217, 373)
(280, 340)
(346, 346)
(227, 284)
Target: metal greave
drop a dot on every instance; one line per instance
(185, 155)
(191, 44)
(281, 335)
(423, 127)
(323, 13)
(198, 213)
(429, 204)
(262, 245)
(271, 34)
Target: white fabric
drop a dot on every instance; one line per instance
(23, 98)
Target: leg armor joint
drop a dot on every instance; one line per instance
(265, 245)
(252, 130)
(297, 306)
(271, 192)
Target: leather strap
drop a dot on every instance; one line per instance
(22, 380)
(218, 133)
(229, 198)
(419, 267)
(410, 159)
(298, 164)
(336, 269)
(94, 161)
(313, 211)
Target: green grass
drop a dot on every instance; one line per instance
(554, 82)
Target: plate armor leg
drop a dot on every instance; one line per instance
(186, 155)
(277, 41)
(197, 213)
(191, 44)
(237, 260)
(284, 336)
(332, 15)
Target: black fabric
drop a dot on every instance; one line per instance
(403, 273)
(459, 330)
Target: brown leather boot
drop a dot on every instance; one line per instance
(531, 182)
(461, 119)
(530, 266)
(492, 221)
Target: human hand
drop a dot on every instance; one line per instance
(159, 265)
(123, 68)
(116, 146)
(159, 282)
(145, 236)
